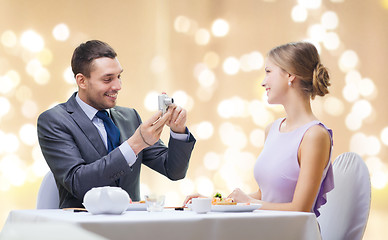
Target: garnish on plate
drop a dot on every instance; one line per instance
(219, 200)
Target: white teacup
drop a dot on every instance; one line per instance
(201, 205)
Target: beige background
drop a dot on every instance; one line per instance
(159, 54)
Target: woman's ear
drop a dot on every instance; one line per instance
(291, 78)
(81, 80)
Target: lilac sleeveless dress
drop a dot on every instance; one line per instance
(277, 169)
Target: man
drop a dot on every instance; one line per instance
(80, 148)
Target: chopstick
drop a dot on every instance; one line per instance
(75, 209)
(176, 208)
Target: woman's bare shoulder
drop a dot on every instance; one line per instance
(317, 133)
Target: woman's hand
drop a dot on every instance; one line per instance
(239, 196)
(188, 198)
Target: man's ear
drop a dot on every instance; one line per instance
(81, 80)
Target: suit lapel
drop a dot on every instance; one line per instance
(85, 125)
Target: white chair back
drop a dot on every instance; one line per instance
(48, 195)
(346, 212)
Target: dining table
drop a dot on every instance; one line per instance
(171, 224)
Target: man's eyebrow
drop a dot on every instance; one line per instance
(112, 74)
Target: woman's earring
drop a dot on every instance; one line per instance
(289, 83)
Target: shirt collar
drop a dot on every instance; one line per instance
(89, 110)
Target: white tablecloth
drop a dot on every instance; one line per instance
(169, 224)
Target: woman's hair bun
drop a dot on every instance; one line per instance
(321, 81)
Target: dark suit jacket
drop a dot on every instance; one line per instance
(77, 156)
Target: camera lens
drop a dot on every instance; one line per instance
(168, 101)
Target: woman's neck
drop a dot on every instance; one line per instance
(298, 113)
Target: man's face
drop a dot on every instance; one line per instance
(101, 89)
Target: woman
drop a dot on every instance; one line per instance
(293, 171)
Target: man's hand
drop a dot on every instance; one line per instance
(148, 133)
(178, 119)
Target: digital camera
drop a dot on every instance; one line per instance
(163, 102)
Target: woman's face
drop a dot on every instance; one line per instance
(275, 83)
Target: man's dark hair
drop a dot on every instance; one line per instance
(84, 54)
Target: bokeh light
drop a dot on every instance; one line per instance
(350, 92)
(29, 109)
(231, 65)
(10, 143)
(182, 24)
(331, 41)
(329, 20)
(39, 167)
(27, 134)
(252, 61)
(257, 137)
(366, 87)
(220, 28)
(204, 186)
(187, 186)
(211, 59)
(299, 14)
(206, 78)
(348, 60)
(9, 39)
(32, 41)
(333, 106)
(362, 109)
(45, 57)
(33, 66)
(61, 32)
(212, 161)
(5, 106)
(181, 98)
(204, 130)
(12, 168)
(365, 145)
(379, 172)
(202, 36)
(353, 122)
(68, 76)
(260, 114)
(9, 81)
(42, 76)
(317, 32)
(150, 103)
(232, 135)
(384, 136)
(2, 139)
(233, 107)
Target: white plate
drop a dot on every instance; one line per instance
(240, 207)
(137, 207)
